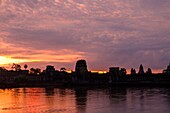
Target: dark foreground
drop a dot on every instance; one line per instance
(84, 84)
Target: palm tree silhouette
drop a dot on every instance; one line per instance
(25, 66)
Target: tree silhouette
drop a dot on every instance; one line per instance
(36, 71)
(25, 66)
(3, 69)
(32, 70)
(63, 69)
(16, 67)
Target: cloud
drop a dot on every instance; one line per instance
(104, 32)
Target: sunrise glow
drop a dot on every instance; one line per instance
(70, 30)
(100, 72)
(8, 60)
(84, 56)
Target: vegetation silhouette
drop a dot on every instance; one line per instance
(80, 77)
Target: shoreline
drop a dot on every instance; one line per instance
(84, 84)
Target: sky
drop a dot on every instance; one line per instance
(106, 33)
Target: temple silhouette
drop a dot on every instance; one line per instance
(81, 76)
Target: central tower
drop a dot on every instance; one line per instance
(81, 69)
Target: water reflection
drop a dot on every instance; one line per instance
(166, 94)
(85, 100)
(81, 99)
(49, 91)
(118, 93)
(62, 92)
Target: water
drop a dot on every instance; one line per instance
(85, 100)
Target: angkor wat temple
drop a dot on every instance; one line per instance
(81, 76)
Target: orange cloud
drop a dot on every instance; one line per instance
(104, 32)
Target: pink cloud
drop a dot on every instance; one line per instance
(105, 32)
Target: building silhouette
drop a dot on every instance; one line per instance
(123, 72)
(149, 71)
(114, 73)
(167, 70)
(141, 70)
(81, 69)
(133, 72)
(50, 72)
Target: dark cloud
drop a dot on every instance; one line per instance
(105, 32)
(155, 4)
(38, 38)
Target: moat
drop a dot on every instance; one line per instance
(85, 100)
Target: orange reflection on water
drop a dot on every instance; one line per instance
(32, 100)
